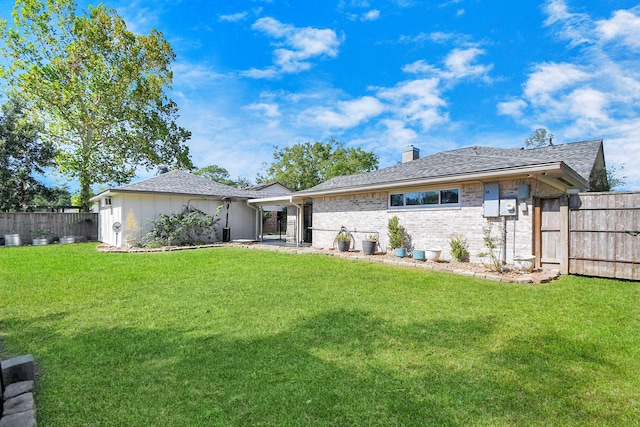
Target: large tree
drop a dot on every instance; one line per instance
(305, 165)
(100, 89)
(221, 175)
(541, 137)
(22, 155)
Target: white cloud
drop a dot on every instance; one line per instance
(623, 26)
(296, 46)
(346, 114)
(458, 64)
(419, 67)
(549, 78)
(576, 27)
(372, 15)
(270, 112)
(512, 108)
(236, 17)
(194, 75)
(417, 101)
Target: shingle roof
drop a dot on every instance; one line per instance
(579, 156)
(181, 182)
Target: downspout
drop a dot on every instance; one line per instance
(258, 222)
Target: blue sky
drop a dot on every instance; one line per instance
(383, 74)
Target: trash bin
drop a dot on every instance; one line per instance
(226, 234)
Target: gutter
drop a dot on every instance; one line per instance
(489, 175)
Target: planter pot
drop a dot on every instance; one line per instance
(67, 239)
(432, 254)
(369, 247)
(40, 241)
(524, 263)
(12, 240)
(400, 252)
(418, 255)
(343, 246)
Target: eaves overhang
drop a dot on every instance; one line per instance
(556, 174)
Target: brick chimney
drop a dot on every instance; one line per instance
(411, 153)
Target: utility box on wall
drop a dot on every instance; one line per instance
(491, 200)
(508, 207)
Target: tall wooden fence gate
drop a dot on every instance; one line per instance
(604, 235)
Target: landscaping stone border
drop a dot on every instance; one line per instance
(18, 406)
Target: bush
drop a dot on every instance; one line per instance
(397, 235)
(459, 247)
(190, 227)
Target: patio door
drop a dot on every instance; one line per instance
(308, 222)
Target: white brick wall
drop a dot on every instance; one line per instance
(428, 228)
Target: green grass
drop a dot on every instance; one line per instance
(235, 337)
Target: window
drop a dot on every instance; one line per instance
(425, 198)
(106, 201)
(397, 200)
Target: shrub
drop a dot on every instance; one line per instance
(189, 227)
(494, 248)
(397, 235)
(459, 247)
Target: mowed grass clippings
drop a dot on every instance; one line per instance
(237, 337)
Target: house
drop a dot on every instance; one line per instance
(125, 212)
(520, 194)
(523, 193)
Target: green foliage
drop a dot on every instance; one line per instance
(493, 244)
(235, 337)
(306, 165)
(189, 227)
(100, 89)
(343, 235)
(459, 247)
(221, 175)
(52, 197)
(397, 233)
(21, 155)
(42, 233)
(615, 179)
(539, 138)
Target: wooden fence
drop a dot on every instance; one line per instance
(83, 226)
(604, 235)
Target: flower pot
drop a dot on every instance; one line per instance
(369, 247)
(343, 245)
(12, 240)
(524, 263)
(67, 239)
(432, 254)
(400, 252)
(40, 241)
(418, 255)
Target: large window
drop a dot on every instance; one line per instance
(425, 198)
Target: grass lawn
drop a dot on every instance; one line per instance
(236, 337)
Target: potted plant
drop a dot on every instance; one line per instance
(432, 254)
(524, 263)
(41, 236)
(397, 237)
(418, 255)
(344, 240)
(369, 244)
